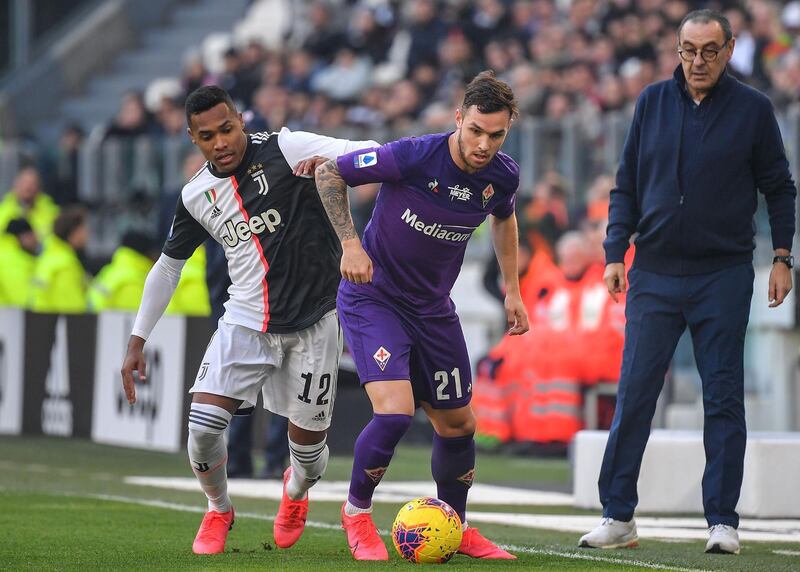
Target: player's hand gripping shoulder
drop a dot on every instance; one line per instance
(134, 362)
(356, 265)
(307, 167)
(516, 315)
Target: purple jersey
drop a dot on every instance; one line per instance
(425, 213)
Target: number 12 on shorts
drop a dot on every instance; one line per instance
(324, 388)
(443, 378)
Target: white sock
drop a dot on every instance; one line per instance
(308, 465)
(352, 510)
(208, 454)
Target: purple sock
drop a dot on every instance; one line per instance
(453, 468)
(373, 451)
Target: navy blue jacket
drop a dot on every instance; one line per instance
(688, 177)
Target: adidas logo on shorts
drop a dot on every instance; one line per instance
(319, 416)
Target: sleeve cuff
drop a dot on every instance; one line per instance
(783, 241)
(615, 253)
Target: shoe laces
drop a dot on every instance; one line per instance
(294, 514)
(607, 521)
(471, 536)
(209, 521)
(364, 527)
(719, 528)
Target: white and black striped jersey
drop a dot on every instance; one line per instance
(283, 255)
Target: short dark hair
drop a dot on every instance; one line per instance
(139, 241)
(18, 226)
(490, 95)
(705, 16)
(204, 98)
(69, 219)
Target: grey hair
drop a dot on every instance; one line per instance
(704, 17)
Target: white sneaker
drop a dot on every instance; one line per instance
(723, 540)
(612, 534)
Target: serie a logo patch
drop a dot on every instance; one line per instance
(365, 160)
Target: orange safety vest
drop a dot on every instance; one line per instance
(493, 391)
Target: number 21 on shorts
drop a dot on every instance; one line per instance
(444, 379)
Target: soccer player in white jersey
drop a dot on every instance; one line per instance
(280, 333)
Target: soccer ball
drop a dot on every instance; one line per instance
(427, 531)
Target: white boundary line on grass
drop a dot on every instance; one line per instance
(328, 526)
(607, 559)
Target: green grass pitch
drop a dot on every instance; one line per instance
(66, 507)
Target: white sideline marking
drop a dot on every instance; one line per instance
(750, 530)
(787, 552)
(608, 559)
(396, 492)
(328, 526)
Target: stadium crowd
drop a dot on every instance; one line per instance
(390, 68)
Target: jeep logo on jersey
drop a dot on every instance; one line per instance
(242, 231)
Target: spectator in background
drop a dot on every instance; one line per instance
(194, 74)
(65, 182)
(300, 68)
(785, 77)
(345, 77)
(171, 120)
(59, 279)
(119, 284)
(549, 203)
(324, 39)
(700, 147)
(487, 21)
(743, 58)
(236, 80)
(132, 119)
(425, 30)
(27, 200)
(270, 107)
(401, 105)
(370, 31)
(18, 250)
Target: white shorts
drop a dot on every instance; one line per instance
(295, 372)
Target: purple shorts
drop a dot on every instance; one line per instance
(388, 343)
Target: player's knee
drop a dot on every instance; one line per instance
(457, 427)
(394, 423)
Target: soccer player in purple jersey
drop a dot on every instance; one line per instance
(394, 302)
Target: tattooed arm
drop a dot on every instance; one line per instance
(356, 265)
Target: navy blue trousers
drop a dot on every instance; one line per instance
(715, 307)
(240, 445)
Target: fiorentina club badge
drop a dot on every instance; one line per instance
(467, 477)
(487, 194)
(382, 357)
(376, 474)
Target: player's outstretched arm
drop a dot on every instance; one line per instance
(356, 265)
(159, 286)
(506, 247)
